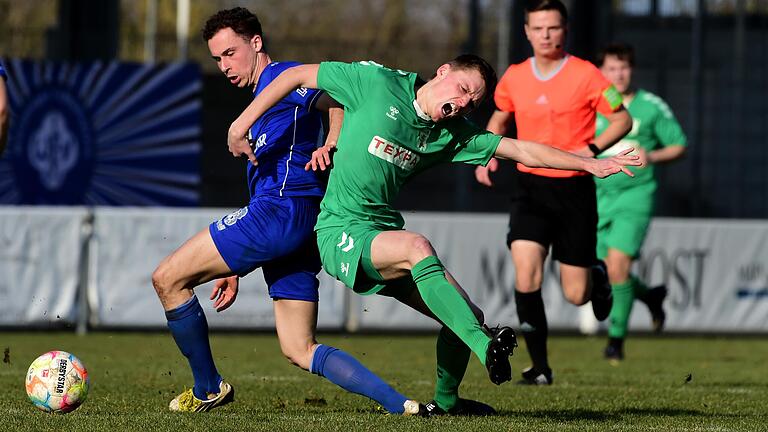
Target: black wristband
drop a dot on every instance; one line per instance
(594, 149)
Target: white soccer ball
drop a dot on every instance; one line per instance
(57, 382)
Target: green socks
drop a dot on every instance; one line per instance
(638, 287)
(448, 305)
(623, 297)
(452, 359)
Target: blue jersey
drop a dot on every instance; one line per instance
(2, 71)
(283, 140)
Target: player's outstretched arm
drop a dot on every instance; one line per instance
(498, 124)
(537, 155)
(666, 154)
(286, 82)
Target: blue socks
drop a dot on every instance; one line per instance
(190, 331)
(346, 372)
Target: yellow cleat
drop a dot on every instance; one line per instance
(187, 402)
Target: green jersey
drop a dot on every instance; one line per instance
(384, 142)
(653, 126)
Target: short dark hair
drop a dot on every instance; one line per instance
(242, 21)
(545, 5)
(620, 50)
(471, 61)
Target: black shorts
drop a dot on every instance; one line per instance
(557, 212)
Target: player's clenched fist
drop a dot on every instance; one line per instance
(237, 142)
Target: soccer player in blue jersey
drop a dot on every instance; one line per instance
(3, 110)
(274, 232)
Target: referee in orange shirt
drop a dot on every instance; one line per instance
(554, 98)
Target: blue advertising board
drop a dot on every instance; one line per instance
(102, 134)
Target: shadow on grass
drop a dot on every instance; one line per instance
(730, 385)
(596, 415)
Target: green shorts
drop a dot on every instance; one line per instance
(623, 219)
(346, 255)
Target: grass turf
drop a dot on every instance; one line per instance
(134, 375)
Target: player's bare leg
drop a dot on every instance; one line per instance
(197, 261)
(528, 258)
(295, 321)
(575, 283)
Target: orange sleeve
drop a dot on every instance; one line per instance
(503, 94)
(605, 98)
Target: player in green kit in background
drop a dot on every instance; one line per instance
(625, 205)
(396, 126)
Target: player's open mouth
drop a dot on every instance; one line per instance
(448, 109)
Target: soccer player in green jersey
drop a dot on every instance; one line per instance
(625, 207)
(396, 126)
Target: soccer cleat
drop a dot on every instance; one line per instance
(602, 295)
(413, 408)
(187, 402)
(533, 377)
(654, 299)
(465, 407)
(614, 351)
(503, 343)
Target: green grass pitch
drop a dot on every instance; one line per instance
(134, 375)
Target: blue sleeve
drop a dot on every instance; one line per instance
(304, 97)
(2, 72)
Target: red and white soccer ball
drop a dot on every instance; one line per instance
(57, 382)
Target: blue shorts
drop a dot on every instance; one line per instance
(276, 234)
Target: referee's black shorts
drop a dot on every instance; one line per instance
(557, 212)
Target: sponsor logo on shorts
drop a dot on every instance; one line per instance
(302, 91)
(231, 218)
(393, 153)
(347, 243)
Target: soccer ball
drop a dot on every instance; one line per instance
(57, 382)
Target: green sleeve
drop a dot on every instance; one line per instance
(474, 145)
(347, 83)
(666, 128)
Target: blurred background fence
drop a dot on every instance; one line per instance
(91, 268)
